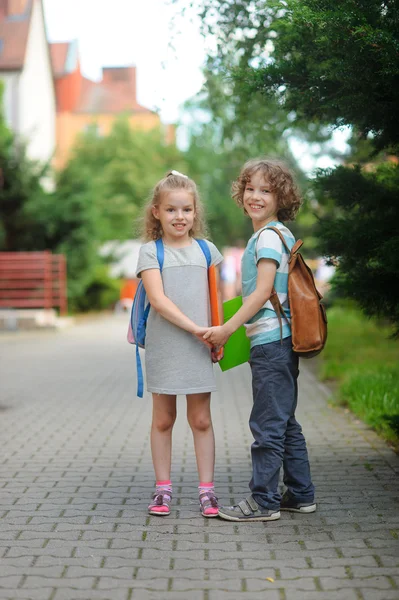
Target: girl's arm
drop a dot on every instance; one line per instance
(152, 282)
(264, 284)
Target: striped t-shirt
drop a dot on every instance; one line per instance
(264, 327)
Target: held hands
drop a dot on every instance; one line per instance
(199, 333)
(218, 336)
(216, 351)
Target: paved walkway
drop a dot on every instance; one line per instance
(76, 477)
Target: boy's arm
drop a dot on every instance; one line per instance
(264, 284)
(152, 282)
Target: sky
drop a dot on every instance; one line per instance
(166, 48)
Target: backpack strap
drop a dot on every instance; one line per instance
(160, 253)
(205, 249)
(280, 235)
(140, 377)
(274, 299)
(139, 368)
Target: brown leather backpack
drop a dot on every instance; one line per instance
(308, 315)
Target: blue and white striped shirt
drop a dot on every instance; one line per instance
(264, 327)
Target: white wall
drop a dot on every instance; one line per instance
(10, 98)
(37, 104)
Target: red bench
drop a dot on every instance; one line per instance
(33, 280)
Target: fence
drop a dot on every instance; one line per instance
(33, 280)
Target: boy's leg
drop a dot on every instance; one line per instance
(274, 374)
(297, 477)
(274, 383)
(296, 466)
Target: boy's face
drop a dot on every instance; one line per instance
(259, 202)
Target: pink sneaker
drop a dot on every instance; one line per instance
(209, 504)
(160, 504)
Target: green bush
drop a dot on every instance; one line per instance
(362, 358)
(374, 397)
(101, 293)
(355, 340)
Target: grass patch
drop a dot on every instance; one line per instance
(362, 359)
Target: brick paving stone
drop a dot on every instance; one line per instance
(73, 594)
(264, 595)
(39, 594)
(76, 477)
(374, 594)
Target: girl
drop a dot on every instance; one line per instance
(177, 359)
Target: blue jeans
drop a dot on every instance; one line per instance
(278, 436)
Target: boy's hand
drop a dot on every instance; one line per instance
(218, 336)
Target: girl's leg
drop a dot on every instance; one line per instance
(163, 418)
(200, 421)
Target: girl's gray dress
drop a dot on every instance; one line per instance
(175, 361)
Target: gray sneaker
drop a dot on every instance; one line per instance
(290, 504)
(248, 510)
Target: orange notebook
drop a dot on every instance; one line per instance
(216, 317)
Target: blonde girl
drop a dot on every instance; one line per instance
(177, 359)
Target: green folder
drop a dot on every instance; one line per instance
(236, 350)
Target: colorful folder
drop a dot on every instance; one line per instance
(236, 350)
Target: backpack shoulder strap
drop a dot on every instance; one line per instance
(160, 252)
(280, 235)
(274, 299)
(205, 249)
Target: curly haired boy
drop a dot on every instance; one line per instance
(265, 189)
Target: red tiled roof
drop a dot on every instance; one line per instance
(59, 53)
(116, 93)
(14, 33)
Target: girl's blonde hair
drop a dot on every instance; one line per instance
(152, 228)
(281, 182)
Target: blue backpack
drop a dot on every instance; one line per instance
(141, 308)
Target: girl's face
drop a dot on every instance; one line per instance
(259, 202)
(176, 212)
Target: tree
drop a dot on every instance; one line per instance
(123, 167)
(363, 236)
(99, 196)
(20, 190)
(337, 64)
(225, 132)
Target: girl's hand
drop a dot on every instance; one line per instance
(218, 336)
(217, 354)
(199, 334)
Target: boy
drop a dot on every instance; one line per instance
(266, 191)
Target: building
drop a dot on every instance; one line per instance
(25, 68)
(82, 103)
(47, 101)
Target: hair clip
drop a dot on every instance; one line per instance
(178, 174)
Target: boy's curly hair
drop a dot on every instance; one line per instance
(281, 182)
(151, 227)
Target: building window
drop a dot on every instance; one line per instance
(93, 129)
